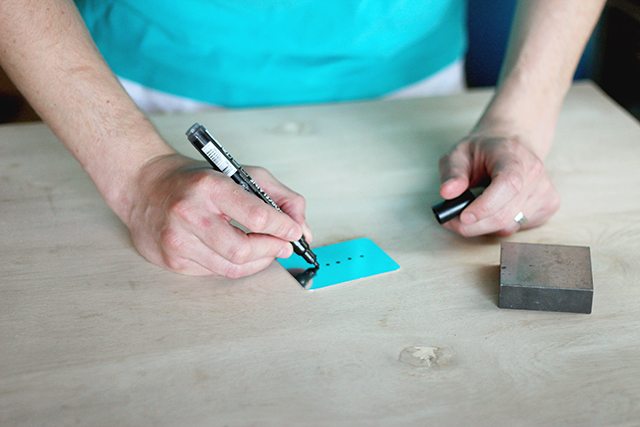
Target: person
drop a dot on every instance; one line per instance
(237, 54)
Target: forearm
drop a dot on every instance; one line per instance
(547, 39)
(47, 51)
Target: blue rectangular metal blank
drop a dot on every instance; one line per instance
(339, 263)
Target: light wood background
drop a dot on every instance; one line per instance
(91, 334)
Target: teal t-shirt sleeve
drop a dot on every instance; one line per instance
(276, 52)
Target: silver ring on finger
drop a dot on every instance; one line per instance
(520, 218)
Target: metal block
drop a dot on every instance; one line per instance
(545, 277)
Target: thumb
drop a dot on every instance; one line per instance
(455, 172)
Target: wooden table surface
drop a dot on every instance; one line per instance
(91, 334)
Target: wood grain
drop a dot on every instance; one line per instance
(91, 334)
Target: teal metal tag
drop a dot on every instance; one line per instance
(340, 262)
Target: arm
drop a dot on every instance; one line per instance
(176, 209)
(512, 138)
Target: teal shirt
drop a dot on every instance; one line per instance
(239, 53)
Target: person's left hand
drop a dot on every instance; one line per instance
(517, 183)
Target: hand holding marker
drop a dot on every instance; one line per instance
(221, 160)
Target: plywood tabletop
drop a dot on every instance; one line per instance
(91, 334)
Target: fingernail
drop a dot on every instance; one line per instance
(468, 218)
(285, 252)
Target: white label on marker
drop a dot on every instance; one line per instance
(219, 159)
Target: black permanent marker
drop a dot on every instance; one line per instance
(221, 160)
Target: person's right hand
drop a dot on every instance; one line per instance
(180, 219)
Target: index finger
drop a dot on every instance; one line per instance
(291, 202)
(253, 213)
(455, 172)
